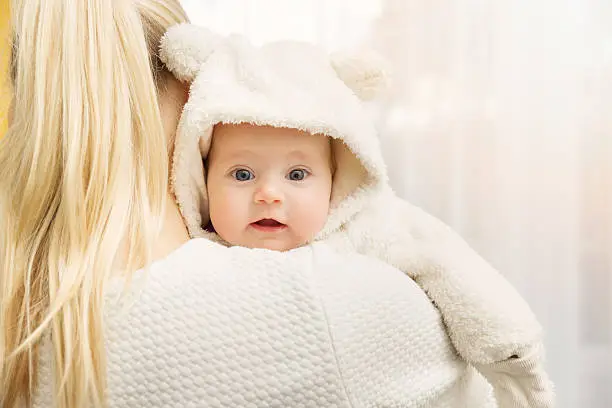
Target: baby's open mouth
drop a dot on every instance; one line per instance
(268, 225)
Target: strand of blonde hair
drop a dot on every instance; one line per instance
(83, 171)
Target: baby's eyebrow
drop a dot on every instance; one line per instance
(246, 154)
(227, 160)
(299, 154)
(239, 154)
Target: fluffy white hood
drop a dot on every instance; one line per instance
(281, 84)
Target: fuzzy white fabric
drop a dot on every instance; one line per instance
(310, 328)
(296, 85)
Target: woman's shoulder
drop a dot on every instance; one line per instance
(312, 320)
(390, 340)
(319, 265)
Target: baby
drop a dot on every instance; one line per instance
(268, 187)
(291, 157)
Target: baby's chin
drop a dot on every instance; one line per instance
(279, 245)
(272, 243)
(274, 246)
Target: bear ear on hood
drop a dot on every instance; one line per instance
(185, 47)
(365, 73)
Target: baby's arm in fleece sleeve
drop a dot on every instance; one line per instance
(489, 323)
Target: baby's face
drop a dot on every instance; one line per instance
(268, 187)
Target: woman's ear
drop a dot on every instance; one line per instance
(365, 73)
(185, 47)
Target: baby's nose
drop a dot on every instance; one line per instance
(268, 193)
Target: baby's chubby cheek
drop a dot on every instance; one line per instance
(226, 220)
(313, 222)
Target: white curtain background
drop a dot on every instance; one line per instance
(499, 122)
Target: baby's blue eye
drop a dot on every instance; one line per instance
(243, 175)
(297, 175)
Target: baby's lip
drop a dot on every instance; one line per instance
(268, 222)
(268, 225)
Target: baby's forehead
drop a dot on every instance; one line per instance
(248, 129)
(267, 140)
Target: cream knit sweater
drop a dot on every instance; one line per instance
(308, 328)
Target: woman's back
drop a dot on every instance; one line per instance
(228, 327)
(83, 180)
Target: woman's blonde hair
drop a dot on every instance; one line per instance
(83, 170)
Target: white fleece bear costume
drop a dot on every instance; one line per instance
(296, 85)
